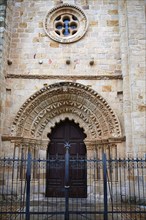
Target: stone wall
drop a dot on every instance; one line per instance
(114, 40)
(133, 49)
(137, 72)
(2, 78)
(30, 44)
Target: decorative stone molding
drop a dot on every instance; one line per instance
(66, 100)
(65, 77)
(27, 142)
(97, 142)
(65, 23)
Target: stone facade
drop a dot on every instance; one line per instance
(2, 79)
(103, 73)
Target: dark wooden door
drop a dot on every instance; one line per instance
(66, 131)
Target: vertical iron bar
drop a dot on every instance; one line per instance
(139, 186)
(120, 180)
(38, 187)
(105, 186)
(77, 175)
(129, 185)
(67, 146)
(143, 165)
(20, 175)
(8, 184)
(111, 182)
(2, 187)
(125, 183)
(28, 178)
(94, 190)
(134, 187)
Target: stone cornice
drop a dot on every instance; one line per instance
(87, 141)
(105, 141)
(24, 140)
(42, 144)
(11, 138)
(66, 77)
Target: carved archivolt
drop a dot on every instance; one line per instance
(66, 100)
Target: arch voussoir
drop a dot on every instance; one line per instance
(66, 99)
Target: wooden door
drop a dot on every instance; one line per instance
(66, 131)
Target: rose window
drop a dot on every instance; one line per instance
(66, 23)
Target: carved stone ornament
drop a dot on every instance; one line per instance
(65, 23)
(64, 100)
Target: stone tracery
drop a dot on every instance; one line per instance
(60, 19)
(66, 99)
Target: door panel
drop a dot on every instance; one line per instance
(66, 131)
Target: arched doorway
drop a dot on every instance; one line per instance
(66, 131)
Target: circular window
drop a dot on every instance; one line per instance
(65, 23)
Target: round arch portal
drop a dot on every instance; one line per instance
(69, 100)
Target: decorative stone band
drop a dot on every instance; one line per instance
(44, 142)
(65, 23)
(27, 142)
(63, 77)
(64, 100)
(38, 147)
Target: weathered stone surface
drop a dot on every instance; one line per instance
(54, 44)
(112, 12)
(23, 25)
(106, 88)
(112, 23)
(114, 42)
(142, 108)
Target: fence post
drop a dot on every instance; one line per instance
(105, 186)
(67, 146)
(28, 178)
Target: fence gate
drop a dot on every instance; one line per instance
(116, 189)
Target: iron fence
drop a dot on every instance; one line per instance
(115, 189)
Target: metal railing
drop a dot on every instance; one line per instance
(116, 189)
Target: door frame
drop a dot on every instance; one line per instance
(84, 149)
